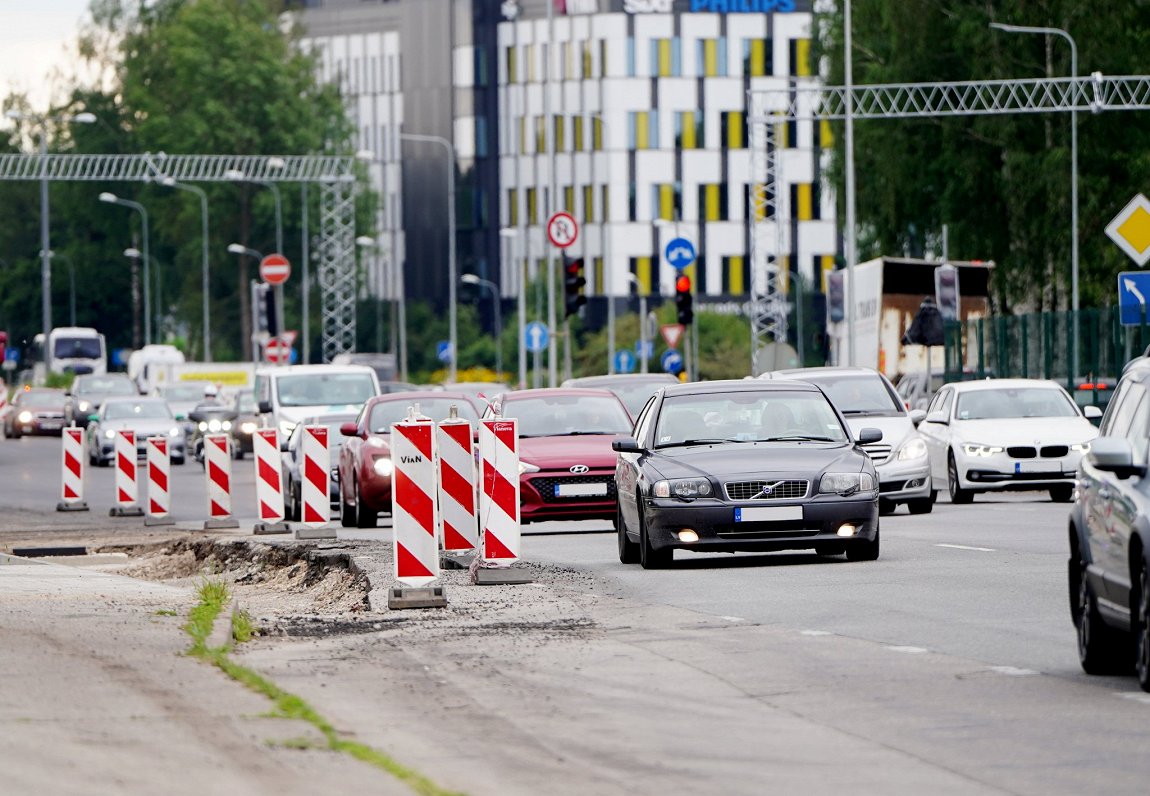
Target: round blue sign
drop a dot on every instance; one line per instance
(680, 253)
(672, 361)
(624, 361)
(536, 336)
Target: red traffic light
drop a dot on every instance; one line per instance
(683, 284)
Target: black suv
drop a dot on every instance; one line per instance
(1109, 566)
(88, 393)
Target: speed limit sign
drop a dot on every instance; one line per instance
(562, 229)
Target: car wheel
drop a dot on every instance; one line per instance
(365, 517)
(1099, 645)
(863, 549)
(346, 513)
(830, 548)
(293, 507)
(91, 459)
(1063, 493)
(649, 557)
(1142, 628)
(921, 505)
(179, 460)
(958, 495)
(628, 550)
(886, 506)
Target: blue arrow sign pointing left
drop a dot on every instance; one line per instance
(680, 253)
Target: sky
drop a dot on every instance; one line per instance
(34, 35)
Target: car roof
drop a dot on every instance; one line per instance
(135, 399)
(737, 385)
(826, 370)
(412, 395)
(285, 370)
(1002, 384)
(543, 392)
(614, 378)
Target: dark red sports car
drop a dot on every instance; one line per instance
(566, 464)
(365, 466)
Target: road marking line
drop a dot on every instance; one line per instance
(733, 618)
(1012, 671)
(1135, 696)
(817, 633)
(966, 547)
(909, 650)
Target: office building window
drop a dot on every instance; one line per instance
(560, 138)
(540, 134)
(512, 74)
(713, 202)
(529, 55)
(604, 207)
(569, 199)
(632, 203)
(689, 130)
(631, 58)
(577, 133)
(480, 66)
(588, 203)
(568, 65)
(666, 201)
(641, 268)
(597, 278)
(532, 206)
(481, 136)
(766, 208)
(734, 130)
(513, 207)
(711, 58)
(596, 134)
(522, 124)
(643, 130)
(602, 58)
(588, 61)
(756, 57)
(666, 57)
(736, 275)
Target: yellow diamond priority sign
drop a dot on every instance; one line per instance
(1130, 229)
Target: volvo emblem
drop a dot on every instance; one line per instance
(579, 469)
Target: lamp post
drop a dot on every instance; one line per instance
(133, 254)
(472, 279)
(235, 175)
(851, 241)
(71, 286)
(452, 277)
(508, 235)
(247, 251)
(170, 182)
(1073, 172)
(45, 243)
(111, 198)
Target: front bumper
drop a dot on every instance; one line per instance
(714, 522)
(177, 448)
(904, 480)
(47, 424)
(562, 495)
(1001, 472)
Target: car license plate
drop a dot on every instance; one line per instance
(580, 490)
(1038, 467)
(51, 425)
(769, 513)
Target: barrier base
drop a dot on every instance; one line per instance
(499, 576)
(261, 528)
(126, 511)
(78, 506)
(454, 560)
(324, 532)
(411, 597)
(221, 522)
(159, 521)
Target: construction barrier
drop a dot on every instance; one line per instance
(315, 500)
(127, 476)
(72, 479)
(499, 489)
(159, 458)
(218, 470)
(269, 480)
(459, 525)
(414, 509)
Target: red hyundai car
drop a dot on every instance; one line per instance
(566, 464)
(365, 466)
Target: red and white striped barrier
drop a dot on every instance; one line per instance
(269, 481)
(459, 526)
(72, 480)
(127, 476)
(414, 511)
(499, 489)
(159, 457)
(315, 500)
(218, 470)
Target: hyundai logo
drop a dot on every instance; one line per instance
(579, 469)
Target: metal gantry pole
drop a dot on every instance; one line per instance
(45, 246)
(552, 200)
(851, 240)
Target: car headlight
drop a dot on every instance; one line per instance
(226, 425)
(383, 466)
(174, 431)
(248, 427)
(682, 488)
(1081, 447)
(974, 449)
(85, 406)
(286, 428)
(203, 425)
(109, 434)
(527, 467)
(24, 417)
(846, 483)
(915, 449)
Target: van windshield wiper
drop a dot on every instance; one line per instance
(688, 442)
(798, 438)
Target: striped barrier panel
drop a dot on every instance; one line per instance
(159, 458)
(127, 482)
(269, 476)
(414, 509)
(499, 489)
(72, 479)
(459, 525)
(218, 471)
(315, 501)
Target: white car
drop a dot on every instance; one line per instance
(1006, 434)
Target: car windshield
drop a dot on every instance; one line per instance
(857, 395)
(182, 392)
(105, 385)
(246, 403)
(772, 415)
(318, 389)
(77, 348)
(1011, 402)
(384, 413)
(46, 398)
(126, 410)
(568, 415)
(635, 394)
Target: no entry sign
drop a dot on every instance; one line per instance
(275, 269)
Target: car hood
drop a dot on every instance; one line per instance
(895, 430)
(295, 414)
(758, 460)
(1025, 431)
(148, 426)
(561, 453)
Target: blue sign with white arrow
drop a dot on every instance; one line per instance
(672, 361)
(644, 350)
(1133, 293)
(624, 361)
(443, 350)
(680, 253)
(536, 336)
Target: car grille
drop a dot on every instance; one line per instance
(1054, 451)
(546, 488)
(1021, 452)
(50, 416)
(753, 490)
(764, 530)
(877, 452)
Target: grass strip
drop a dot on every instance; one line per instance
(213, 597)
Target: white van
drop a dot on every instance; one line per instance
(286, 395)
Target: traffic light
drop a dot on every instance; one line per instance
(684, 300)
(573, 283)
(264, 309)
(836, 302)
(946, 292)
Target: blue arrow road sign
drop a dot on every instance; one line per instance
(1133, 293)
(672, 361)
(679, 253)
(536, 337)
(644, 351)
(443, 350)
(624, 361)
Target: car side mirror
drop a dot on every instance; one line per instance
(1091, 412)
(265, 407)
(1114, 455)
(937, 417)
(349, 429)
(869, 435)
(625, 445)
(916, 416)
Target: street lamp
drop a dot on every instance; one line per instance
(235, 175)
(45, 244)
(170, 182)
(71, 286)
(508, 235)
(472, 279)
(133, 254)
(111, 198)
(1073, 171)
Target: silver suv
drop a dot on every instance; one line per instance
(1109, 567)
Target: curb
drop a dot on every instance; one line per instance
(221, 635)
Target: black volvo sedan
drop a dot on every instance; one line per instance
(725, 466)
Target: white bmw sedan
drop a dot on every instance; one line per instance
(1006, 434)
